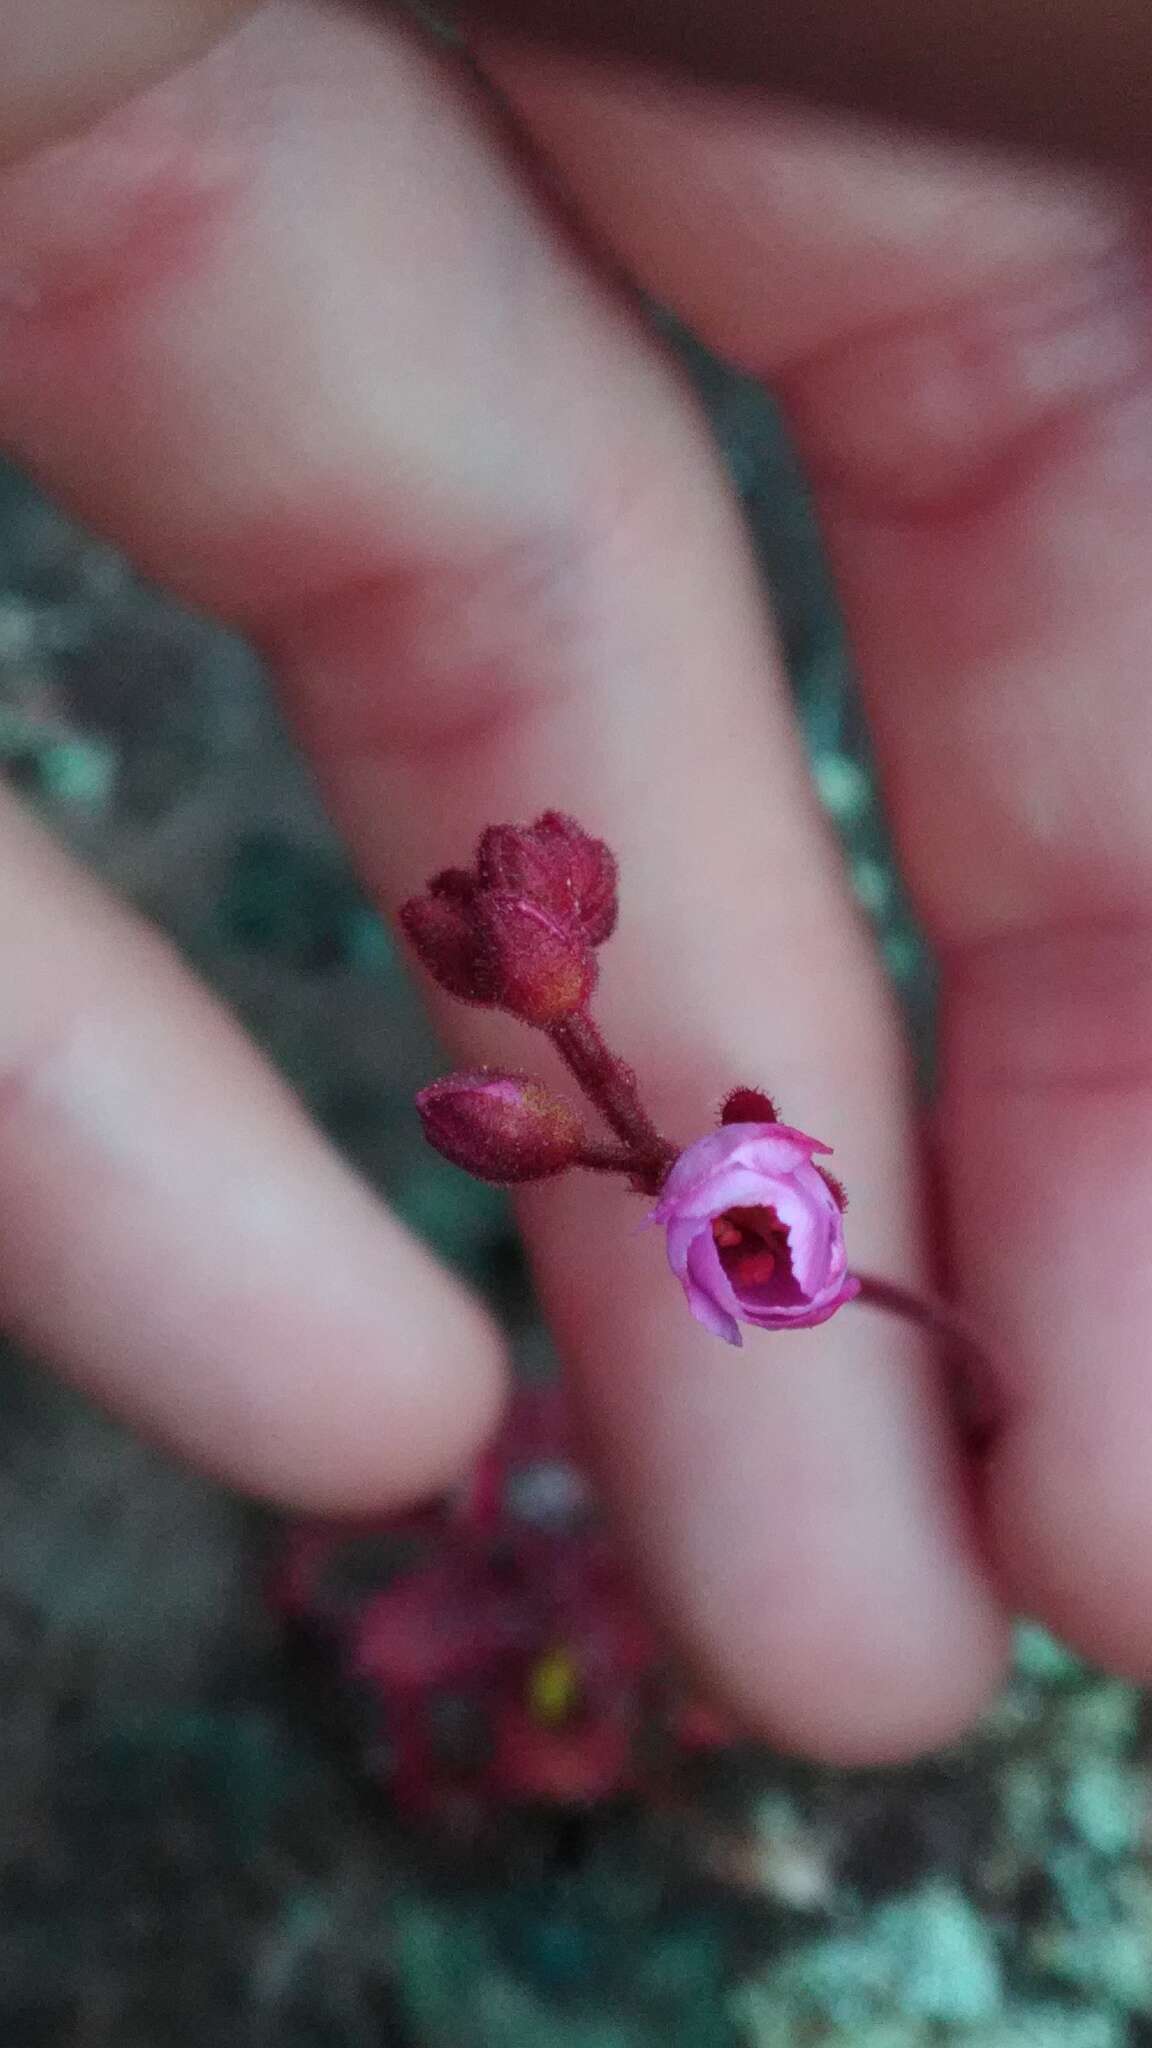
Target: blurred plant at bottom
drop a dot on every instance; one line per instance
(492, 1650)
(642, 1875)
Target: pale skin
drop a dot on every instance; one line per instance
(300, 329)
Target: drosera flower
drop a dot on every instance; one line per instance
(495, 1649)
(755, 1230)
(754, 1222)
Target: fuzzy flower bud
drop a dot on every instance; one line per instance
(748, 1106)
(591, 873)
(541, 970)
(755, 1233)
(558, 865)
(442, 929)
(505, 947)
(500, 1127)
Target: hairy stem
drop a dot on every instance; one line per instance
(981, 1398)
(608, 1159)
(611, 1086)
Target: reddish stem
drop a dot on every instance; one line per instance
(983, 1404)
(611, 1085)
(607, 1159)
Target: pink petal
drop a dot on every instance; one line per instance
(711, 1297)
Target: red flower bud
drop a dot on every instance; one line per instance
(521, 948)
(541, 970)
(455, 885)
(557, 865)
(500, 1127)
(749, 1106)
(591, 868)
(514, 861)
(442, 931)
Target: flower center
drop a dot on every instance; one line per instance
(753, 1246)
(553, 1688)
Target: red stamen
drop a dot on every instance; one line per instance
(754, 1269)
(752, 1244)
(726, 1234)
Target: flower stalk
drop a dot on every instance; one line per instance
(754, 1219)
(613, 1088)
(519, 931)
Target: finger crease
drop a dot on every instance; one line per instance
(439, 665)
(934, 418)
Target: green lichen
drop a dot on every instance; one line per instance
(461, 1994)
(1042, 1657)
(1103, 1805)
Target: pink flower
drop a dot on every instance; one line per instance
(496, 1650)
(754, 1231)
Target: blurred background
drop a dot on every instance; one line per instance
(195, 1850)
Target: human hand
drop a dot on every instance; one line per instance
(1051, 75)
(302, 331)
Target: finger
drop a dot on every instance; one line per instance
(428, 457)
(1048, 74)
(968, 365)
(178, 1238)
(66, 61)
(1018, 657)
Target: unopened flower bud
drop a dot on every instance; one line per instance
(442, 931)
(749, 1106)
(515, 861)
(541, 970)
(500, 1127)
(591, 869)
(559, 866)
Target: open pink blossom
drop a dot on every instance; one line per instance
(755, 1233)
